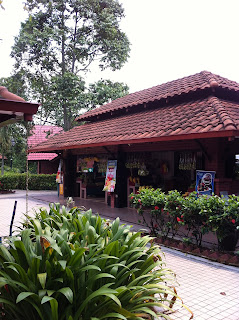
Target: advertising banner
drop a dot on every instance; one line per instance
(110, 179)
(205, 182)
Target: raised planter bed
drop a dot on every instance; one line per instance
(6, 191)
(225, 257)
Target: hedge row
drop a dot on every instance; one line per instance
(12, 181)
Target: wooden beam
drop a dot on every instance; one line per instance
(203, 149)
(108, 151)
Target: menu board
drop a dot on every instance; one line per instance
(110, 179)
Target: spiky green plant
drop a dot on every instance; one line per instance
(73, 265)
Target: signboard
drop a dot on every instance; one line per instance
(205, 182)
(110, 179)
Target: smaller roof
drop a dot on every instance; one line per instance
(41, 156)
(41, 133)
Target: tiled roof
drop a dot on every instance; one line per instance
(207, 117)
(42, 133)
(191, 84)
(39, 135)
(41, 156)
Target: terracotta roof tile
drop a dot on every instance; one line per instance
(179, 87)
(198, 117)
(41, 133)
(41, 156)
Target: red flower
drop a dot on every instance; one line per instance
(178, 219)
(132, 198)
(139, 200)
(155, 226)
(233, 221)
(168, 213)
(162, 210)
(156, 208)
(182, 216)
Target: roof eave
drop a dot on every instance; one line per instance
(18, 106)
(190, 136)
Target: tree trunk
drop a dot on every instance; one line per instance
(2, 171)
(66, 118)
(63, 67)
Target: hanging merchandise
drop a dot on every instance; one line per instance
(187, 161)
(102, 165)
(134, 181)
(86, 164)
(143, 172)
(164, 167)
(136, 160)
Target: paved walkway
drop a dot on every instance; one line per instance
(209, 289)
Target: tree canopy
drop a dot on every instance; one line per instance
(59, 42)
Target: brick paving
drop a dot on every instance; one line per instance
(209, 289)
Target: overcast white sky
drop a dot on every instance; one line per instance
(169, 39)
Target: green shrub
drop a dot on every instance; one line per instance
(42, 182)
(198, 214)
(225, 219)
(9, 181)
(165, 210)
(12, 181)
(76, 266)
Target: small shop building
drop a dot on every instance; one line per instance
(45, 163)
(159, 136)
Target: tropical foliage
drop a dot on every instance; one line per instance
(75, 265)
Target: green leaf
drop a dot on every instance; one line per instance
(23, 296)
(62, 263)
(67, 293)
(54, 306)
(102, 275)
(114, 315)
(46, 299)
(54, 309)
(76, 258)
(42, 279)
(4, 253)
(103, 291)
(50, 292)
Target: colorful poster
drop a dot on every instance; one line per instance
(205, 182)
(110, 179)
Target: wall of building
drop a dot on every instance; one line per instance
(47, 167)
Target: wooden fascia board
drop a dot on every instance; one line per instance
(18, 106)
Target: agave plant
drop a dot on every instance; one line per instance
(73, 265)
